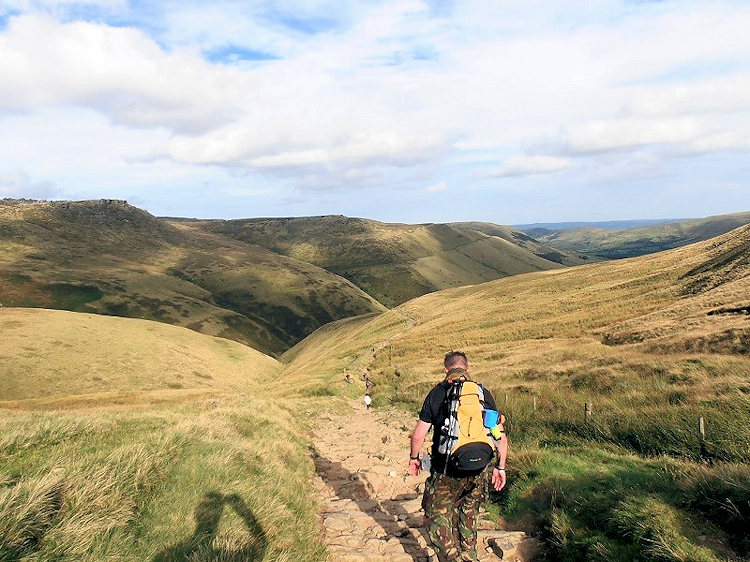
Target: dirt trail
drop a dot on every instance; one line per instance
(369, 509)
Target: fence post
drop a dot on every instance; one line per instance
(587, 412)
(533, 404)
(702, 435)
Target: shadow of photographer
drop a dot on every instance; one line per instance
(200, 546)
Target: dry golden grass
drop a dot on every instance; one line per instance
(529, 319)
(101, 457)
(220, 479)
(46, 353)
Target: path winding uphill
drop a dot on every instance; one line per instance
(369, 509)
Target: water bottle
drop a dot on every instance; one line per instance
(426, 462)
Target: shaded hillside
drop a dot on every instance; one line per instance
(651, 344)
(398, 262)
(111, 258)
(630, 242)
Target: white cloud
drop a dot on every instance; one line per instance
(388, 96)
(529, 165)
(18, 184)
(616, 134)
(117, 71)
(442, 186)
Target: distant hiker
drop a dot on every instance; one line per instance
(462, 451)
(348, 377)
(369, 384)
(368, 401)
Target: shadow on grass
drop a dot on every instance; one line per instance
(208, 514)
(390, 515)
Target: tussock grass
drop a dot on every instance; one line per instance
(549, 338)
(218, 479)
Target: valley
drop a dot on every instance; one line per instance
(145, 440)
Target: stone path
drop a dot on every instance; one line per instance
(369, 509)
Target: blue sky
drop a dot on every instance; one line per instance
(411, 111)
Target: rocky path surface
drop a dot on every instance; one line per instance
(369, 509)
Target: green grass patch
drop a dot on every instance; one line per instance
(593, 504)
(69, 296)
(215, 480)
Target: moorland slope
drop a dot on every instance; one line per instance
(653, 343)
(60, 354)
(397, 262)
(134, 440)
(111, 258)
(630, 242)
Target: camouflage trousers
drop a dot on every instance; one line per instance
(451, 509)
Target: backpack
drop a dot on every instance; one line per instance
(463, 438)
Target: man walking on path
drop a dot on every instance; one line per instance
(368, 401)
(451, 500)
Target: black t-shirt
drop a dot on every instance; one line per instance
(435, 410)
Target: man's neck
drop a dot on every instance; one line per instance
(456, 373)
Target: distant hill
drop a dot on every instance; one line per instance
(607, 241)
(397, 262)
(606, 225)
(111, 258)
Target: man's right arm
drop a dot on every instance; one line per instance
(417, 440)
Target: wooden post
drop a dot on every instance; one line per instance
(587, 412)
(534, 404)
(506, 401)
(702, 434)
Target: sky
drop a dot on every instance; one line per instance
(506, 111)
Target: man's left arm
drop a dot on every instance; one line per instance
(499, 477)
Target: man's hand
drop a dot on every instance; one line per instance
(415, 467)
(498, 478)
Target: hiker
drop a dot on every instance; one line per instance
(452, 493)
(348, 377)
(368, 401)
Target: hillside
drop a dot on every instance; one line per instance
(612, 243)
(654, 343)
(135, 440)
(111, 258)
(55, 353)
(398, 262)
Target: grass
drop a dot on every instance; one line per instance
(625, 243)
(47, 353)
(398, 262)
(132, 440)
(218, 479)
(110, 258)
(608, 504)
(543, 338)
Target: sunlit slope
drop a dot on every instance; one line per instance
(52, 353)
(554, 321)
(638, 241)
(398, 262)
(111, 258)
